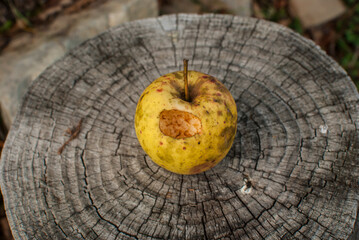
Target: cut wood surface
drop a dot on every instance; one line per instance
(292, 172)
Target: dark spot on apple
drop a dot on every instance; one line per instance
(221, 88)
(212, 80)
(228, 131)
(164, 156)
(217, 100)
(144, 94)
(228, 134)
(220, 113)
(199, 142)
(161, 143)
(174, 95)
(204, 90)
(184, 148)
(206, 112)
(143, 144)
(200, 168)
(177, 75)
(139, 114)
(228, 110)
(159, 90)
(182, 96)
(218, 94)
(196, 89)
(211, 159)
(176, 86)
(140, 132)
(211, 162)
(204, 76)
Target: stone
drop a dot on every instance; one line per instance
(17, 71)
(240, 7)
(313, 13)
(27, 55)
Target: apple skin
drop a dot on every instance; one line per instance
(210, 101)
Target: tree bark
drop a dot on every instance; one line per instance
(292, 172)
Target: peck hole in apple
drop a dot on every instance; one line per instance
(179, 124)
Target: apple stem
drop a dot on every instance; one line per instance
(185, 74)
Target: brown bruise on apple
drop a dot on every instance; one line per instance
(209, 163)
(227, 134)
(200, 168)
(179, 124)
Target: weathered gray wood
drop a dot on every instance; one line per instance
(297, 143)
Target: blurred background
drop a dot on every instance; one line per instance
(35, 33)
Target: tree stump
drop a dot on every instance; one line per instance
(292, 172)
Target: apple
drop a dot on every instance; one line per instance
(186, 121)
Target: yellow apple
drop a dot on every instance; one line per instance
(186, 136)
